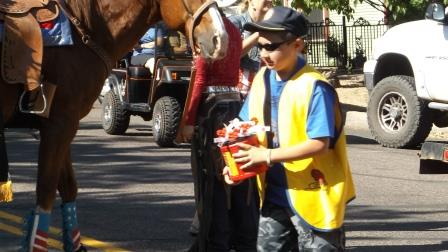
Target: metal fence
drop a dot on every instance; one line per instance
(342, 46)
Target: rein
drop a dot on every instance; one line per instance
(195, 16)
(86, 39)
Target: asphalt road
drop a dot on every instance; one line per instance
(135, 196)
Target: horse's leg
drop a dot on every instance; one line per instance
(56, 136)
(5, 183)
(67, 187)
(7, 99)
(36, 233)
(68, 191)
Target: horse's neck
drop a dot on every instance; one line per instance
(116, 25)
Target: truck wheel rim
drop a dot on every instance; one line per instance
(393, 112)
(156, 125)
(107, 114)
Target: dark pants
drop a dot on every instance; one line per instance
(228, 216)
(235, 227)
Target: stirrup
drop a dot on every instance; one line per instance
(37, 112)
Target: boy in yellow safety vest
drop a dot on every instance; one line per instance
(308, 184)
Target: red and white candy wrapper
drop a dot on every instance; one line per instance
(239, 132)
(238, 129)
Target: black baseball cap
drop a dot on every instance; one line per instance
(281, 19)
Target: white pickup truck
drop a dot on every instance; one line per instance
(407, 83)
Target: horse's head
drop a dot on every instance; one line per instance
(202, 22)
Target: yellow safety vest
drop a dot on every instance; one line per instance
(319, 187)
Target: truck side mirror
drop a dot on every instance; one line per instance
(435, 11)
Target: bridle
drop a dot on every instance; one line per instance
(195, 16)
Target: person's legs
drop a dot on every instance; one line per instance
(244, 215)
(219, 233)
(219, 227)
(202, 194)
(275, 230)
(335, 239)
(214, 231)
(313, 241)
(210, 196)
(194, 226)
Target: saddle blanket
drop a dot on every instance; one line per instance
(55, 33)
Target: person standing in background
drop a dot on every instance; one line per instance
(250, 57)
(227, 219)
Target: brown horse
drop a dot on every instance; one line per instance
(79, 73)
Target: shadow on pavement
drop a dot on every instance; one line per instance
(352, 139)
(137, 196)
(401, 248)
(372, 219)
(350, 107)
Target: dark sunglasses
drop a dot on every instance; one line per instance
(272, 46)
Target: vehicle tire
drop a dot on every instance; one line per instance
(115, 119)
(165, 120)
(397, 117)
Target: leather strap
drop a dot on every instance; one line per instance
(267, 108)
(86, 39)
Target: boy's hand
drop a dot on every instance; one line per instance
(226, 174)
(250, 155)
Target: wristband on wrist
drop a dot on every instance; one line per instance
(268, 157)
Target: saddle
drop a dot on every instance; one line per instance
(22, 45)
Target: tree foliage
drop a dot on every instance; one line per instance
(398, 11)
(395, 11)
(341, 6)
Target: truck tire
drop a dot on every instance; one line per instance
(115, 119)
(397, 117)
(165, 120)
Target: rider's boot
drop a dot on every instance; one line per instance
(38, 100)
